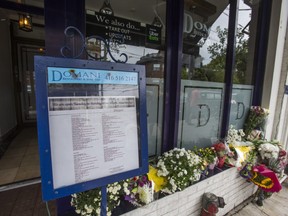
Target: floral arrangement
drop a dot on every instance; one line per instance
(180, 167)
(208, 155)
(138, 190)
(220, 149)
(224, 154)
(89, 203)
(263, 167)
(268, 151)
(255, 120)
(234, 135)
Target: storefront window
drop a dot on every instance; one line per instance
(244, 56)
(203, 71)
(136, 29)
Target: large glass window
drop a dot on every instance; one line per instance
(205, 34)
(203, 70)
(137, 29)
(244, 62)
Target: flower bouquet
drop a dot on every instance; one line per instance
(208, 156)
(138, 190)
(221, 150)
(256, 120)
(234, 136)
(88, 203)
(180, 168)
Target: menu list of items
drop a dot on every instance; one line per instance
(90, 141)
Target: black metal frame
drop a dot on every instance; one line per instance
(70, 34)
(172, 77)
(229, 66)
(261, 53)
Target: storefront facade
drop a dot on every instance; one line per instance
(206, 63)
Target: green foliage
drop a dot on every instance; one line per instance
(215, 70)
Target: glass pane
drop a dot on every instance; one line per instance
(137, 30)
(245, 51)
(28, 80)
(203, 69)
(240, 103)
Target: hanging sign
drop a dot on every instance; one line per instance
(121, 30)
(153, 34)
(91, 124)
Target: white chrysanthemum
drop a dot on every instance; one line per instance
(268, 151)
(89, 209)
(145, 194)
(114, 191)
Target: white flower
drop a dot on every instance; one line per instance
(114, 191)
(145, 194)
(268, 151)
(98, 210)
(78, 211)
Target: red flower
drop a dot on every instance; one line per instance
(282, 153)
(221, 162)
(219, 146)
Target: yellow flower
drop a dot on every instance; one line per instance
(159, 182)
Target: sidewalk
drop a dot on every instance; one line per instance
(25, 201)
(276, 205)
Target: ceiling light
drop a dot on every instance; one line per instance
(25, 22)
(106, 8)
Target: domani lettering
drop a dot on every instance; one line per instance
(189, 25)
(59, 75)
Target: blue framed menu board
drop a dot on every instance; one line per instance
(92, 127)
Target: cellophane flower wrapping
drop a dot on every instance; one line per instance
(139, 190)
(255, 120)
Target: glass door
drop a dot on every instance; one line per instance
(26, 55)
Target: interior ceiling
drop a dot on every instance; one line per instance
(137, 10)
(140, 10)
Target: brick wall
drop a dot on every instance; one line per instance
(228, 184)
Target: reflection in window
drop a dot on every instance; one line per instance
(139, 32)
(205, 40)
(245, 50)
(203, 70)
